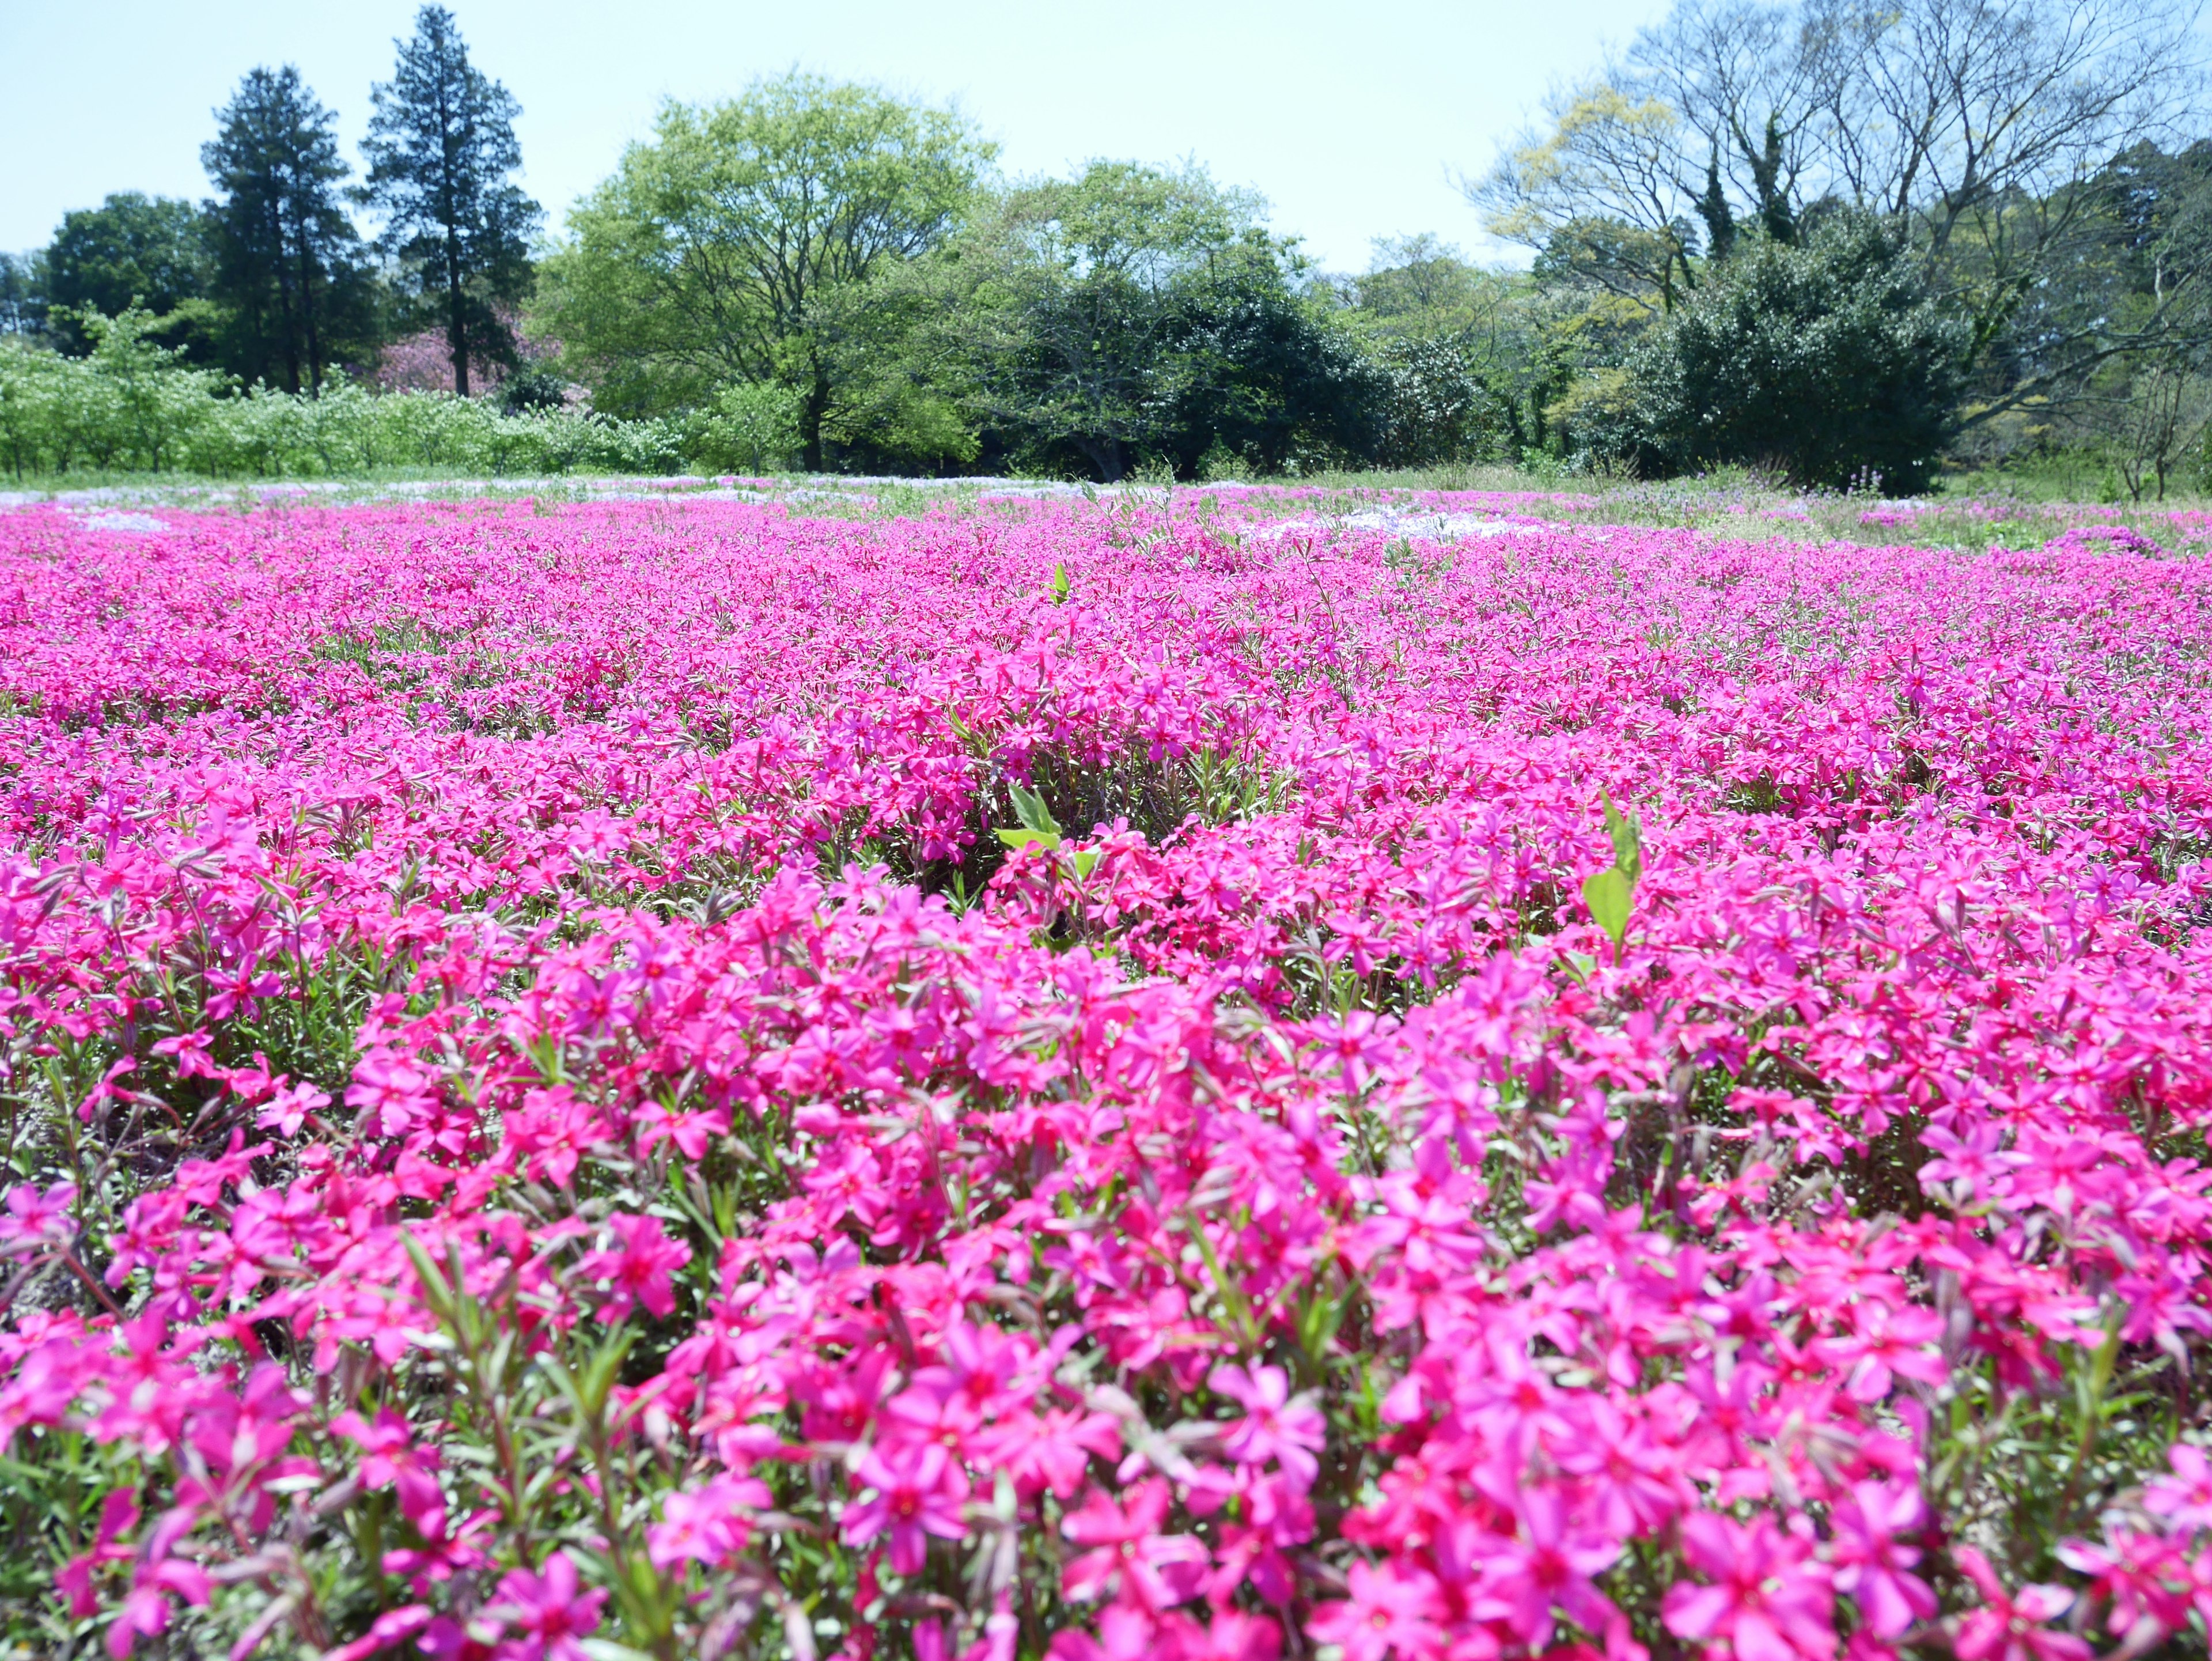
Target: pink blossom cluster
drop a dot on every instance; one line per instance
(423, 362)
(1081, 1081)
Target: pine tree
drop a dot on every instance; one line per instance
(440, 149)
(286, 256)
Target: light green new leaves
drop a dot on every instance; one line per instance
(1037, 824)
(1609, 893)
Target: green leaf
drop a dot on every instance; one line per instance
(1086, 861)
(1029, 809)
(1038, 824)
(1060, 585)
(1606, 894)
(1627, 833)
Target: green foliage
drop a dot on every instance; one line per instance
(752, 242)
(1129, 314)
(532, 389)
(1828, 362)
(1036, 825)
(751, 427)
(1436, 405)
(133, 404)
(287, 261)
(440, 149)
(128, 402)
(1610, 893)
(133, 249)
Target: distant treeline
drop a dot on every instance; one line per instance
(1845, 244)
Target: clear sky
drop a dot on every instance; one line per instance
(1347, 116)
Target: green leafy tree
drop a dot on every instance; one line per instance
(1260, 374)
(1976, 128)
(754, 241)
(440, 146)
(1828, 362)
(1456, 347)
(1129, 314)
(151, 251)
(287, 261)
(22, 293)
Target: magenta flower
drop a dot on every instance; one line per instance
(1151, 1571)
(2011, 1626)
(638, 1265)
(1768, 1600)
(1546, 1567)
(709, 1525)
(2184, 1498)
(1872, 1567)
(915, 1491)
(1392, 1611)
(550, 1610)
(34, 1217)
(1276, 1425)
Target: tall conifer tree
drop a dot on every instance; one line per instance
(287, 261)
(440, 149)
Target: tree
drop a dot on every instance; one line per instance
(1974, 126)
(1601, 193)
(133, 248)
(287, 262)
(750, 240)
(22, 293)
(1129, 314)
(440, 148)
(1830, 363)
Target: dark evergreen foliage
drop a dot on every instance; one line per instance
(1827, 362)
(287, 261)
(440, 149)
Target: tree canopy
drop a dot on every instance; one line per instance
(747, 241)
(287, 262)
(440, 147)
(149, 250)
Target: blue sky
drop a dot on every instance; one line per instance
(1348, 117)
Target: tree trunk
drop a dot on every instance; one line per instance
(308, 314)
(1105, 455)
(457, 327)
(809, 421)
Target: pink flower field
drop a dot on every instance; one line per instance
(1115, 1082)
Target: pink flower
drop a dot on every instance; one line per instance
(1545, 1566)
(1888, 1344)
(1153, 1571)
(915, 1490)
(2008, 1628)
(638, 1265)
(1768, 1599)
(35, 1218)
(146, 1612)
(550, 1610)
(389, 1459)
(391, 1092)
(1277, 1425)
(1871, 1566)
(709, 1525)
(1392, 1611)
(2184, 1498)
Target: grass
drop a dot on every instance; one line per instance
(1975, 511)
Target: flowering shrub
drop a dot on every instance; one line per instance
(671, 1079)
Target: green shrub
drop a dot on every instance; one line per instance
(1828, 363)
(750, 427)
(132, 404)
